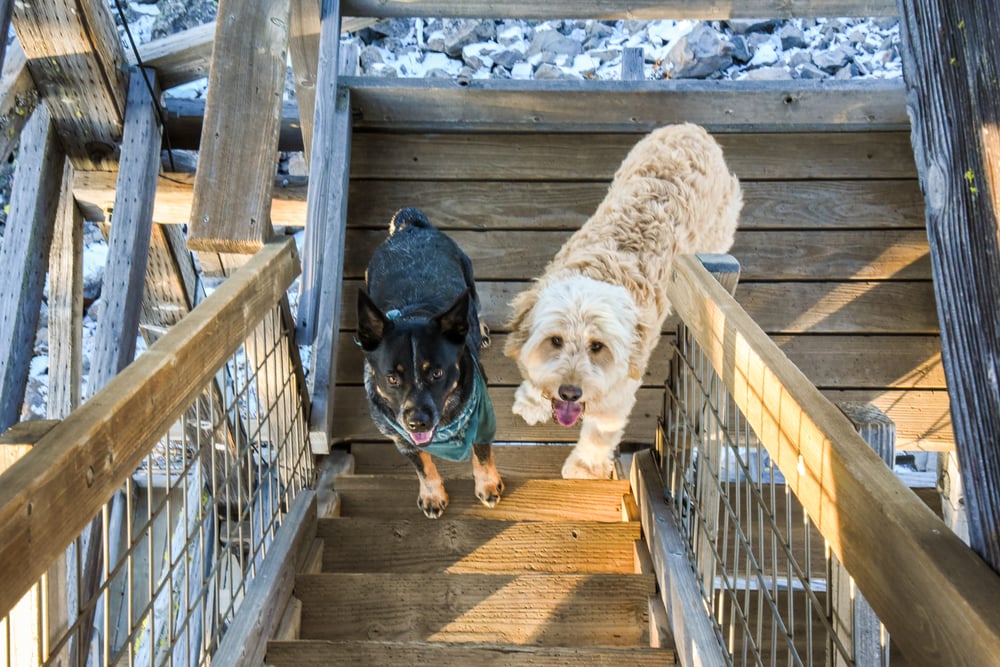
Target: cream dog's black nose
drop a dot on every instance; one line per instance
(569, 393)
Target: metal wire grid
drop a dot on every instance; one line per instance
(162, 570)
(775, 593)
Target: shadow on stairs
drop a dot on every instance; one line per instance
(555, 574)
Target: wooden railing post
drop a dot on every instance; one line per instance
(852, 615)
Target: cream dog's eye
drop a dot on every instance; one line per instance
(596, 346)
(556, 341)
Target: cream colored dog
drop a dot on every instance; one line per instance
(583, 333)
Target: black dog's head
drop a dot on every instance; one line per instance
(415, 362)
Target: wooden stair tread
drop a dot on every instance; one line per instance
(512, 460)
(539, 609)
(447, 545)
(395, 496)
(317, 653)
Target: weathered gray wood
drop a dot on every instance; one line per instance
(619, 9)
(246, 638)
(632, 64)
(303, 49)
(694, 636)
(77, 466)
(951, 67)
(27, 238)
(625, 106)
(232, 192)
(66, 305)
(180, 58)
(128, 245)
(18, 98)
(333, 133)
(576, 157)
(78, 64)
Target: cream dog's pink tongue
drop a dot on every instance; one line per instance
(566, 413)
(421, 438)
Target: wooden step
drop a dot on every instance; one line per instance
(318, 653)
(512, 460)
(449, 545)
(391, 497)
(536, 609)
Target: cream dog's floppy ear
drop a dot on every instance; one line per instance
(520, 321)
(635, 361)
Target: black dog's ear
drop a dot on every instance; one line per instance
(454, 322)
(372, 324)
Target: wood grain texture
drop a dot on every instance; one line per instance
(537, 609)
(181, 57)
(128, 244)
(232, 193)
(933, 593)
(52, 493)
(428, 105)
(952, 75)
(384, 497)
(484, 547)
(78, 65)
(18, 98)
(34, 199)
(619, 9)
(576, 157)
(320, 653)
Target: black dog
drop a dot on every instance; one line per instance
(418, 325)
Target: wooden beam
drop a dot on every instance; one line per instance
(618, 9)
(694, 637)
(934, 594)
(239, 150)
(179, 58)
(304, 53)
(18, 98)
(951, 66)
(27, 238)
(51, 494)
(245, 641)
(78, 65)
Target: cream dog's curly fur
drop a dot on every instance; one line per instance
(583, 333)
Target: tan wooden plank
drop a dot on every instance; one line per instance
(78, 65)
(24, 254)
(232, 194)
(575, 157)
(821, 204)
(512, 461)
(857, 307)
(922, 417)
(644, 9)
(485, 547)
(128, 244)
(26, 434)
(538, 609)
(65, 304)
(933, 593)
(813, 204)
(320, 653)
(180, 58)
(763, 255)
(245, 640)
(416, 104)
(383, 497)
(77, 466)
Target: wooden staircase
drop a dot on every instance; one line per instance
(556, 574)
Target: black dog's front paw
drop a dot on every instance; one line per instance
(432, 502)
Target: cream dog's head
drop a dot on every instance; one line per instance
(574, 339)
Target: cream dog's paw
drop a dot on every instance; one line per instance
(579, 467)
(531, 405)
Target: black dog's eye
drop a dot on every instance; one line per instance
(437, 374)
(556, 341)
(392, 379)
(596, 346)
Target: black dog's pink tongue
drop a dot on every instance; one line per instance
(421, 438)
(566, 413)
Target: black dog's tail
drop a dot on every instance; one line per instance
(407, 217)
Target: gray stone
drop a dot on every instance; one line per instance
(396, 28)
(458, 33)
(792, 37)
(507, 58)
(809, 71)
(776, 73)
(834, 58)
(741, 52)
(547, 71)
(553, 42)
(699, 53)
(744, 26)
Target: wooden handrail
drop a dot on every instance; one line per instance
(938, 599)
(49, 496)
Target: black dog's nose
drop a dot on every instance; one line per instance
(569, 393)
(418, 420)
